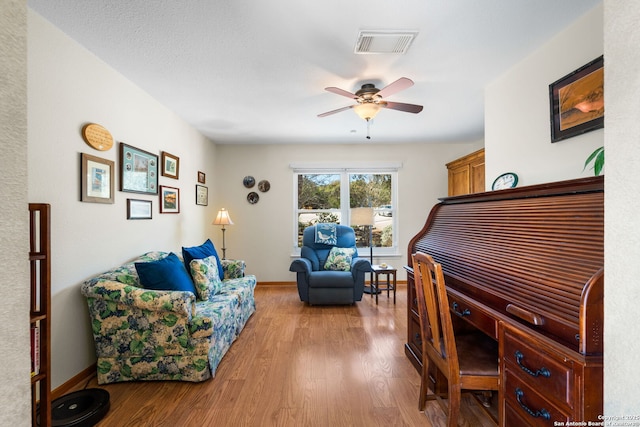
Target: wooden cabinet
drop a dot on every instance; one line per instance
(40, 313)
(466, 174)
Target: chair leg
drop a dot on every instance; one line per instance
(424, 383)
(454, 405)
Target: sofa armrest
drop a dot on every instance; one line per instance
(114, 293)
(233, 268)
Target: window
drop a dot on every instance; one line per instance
(330, 195)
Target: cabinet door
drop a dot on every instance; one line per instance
(459, 180)
(466, 174)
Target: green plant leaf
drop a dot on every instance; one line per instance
(597, 157)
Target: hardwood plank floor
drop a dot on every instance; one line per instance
(296, 365)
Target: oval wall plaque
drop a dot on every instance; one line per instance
(97, 136)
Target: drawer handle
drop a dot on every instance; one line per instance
(463, 313)
(418, 338)
(542, 371)
(543, 413)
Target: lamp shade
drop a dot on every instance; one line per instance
(222, 218)
(367, 110)
(362, 216)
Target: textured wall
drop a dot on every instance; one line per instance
(622, 204)
(14, 274)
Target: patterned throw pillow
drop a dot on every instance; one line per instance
(205, 277)
(326, 233)
(339, 259)
(198, 252)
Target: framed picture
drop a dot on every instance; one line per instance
(97, 179)
(170, 165)
(138, 170)
(202, 195)
(577, 101)
(169, 199)
(139, 209)
(201, 177)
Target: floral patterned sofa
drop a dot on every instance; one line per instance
(146, 334)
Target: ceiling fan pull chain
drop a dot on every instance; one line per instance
(368, 128)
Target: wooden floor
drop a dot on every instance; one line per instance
(296, 365)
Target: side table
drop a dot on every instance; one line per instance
(375, 285)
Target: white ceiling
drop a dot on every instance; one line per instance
(251, 71)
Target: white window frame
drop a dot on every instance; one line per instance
(344, 170)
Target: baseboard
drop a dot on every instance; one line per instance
(276, 284)
(400, 283)
(78, 382)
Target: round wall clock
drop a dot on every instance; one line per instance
(506, 180)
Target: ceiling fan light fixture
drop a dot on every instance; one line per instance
(367, 110)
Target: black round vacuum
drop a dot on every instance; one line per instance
(82, 408)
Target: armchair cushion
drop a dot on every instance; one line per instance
(206, 277)
(199, 252)
(339, 259)
(166, 274)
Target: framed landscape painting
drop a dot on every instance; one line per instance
(577, 101)
(169, 199)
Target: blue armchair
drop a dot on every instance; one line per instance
(326, 275)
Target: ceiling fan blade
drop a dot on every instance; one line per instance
(400, 106)
(342, 92)
(328, 113)
(395, 87)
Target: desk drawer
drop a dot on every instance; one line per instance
(415, 338)
(523, 403)
(471, 313)
(549, 376)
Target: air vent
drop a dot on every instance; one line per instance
(397, 42)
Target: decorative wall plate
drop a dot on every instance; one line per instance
(253, 197)
(249, 181)
(264, 186)
(97, 137)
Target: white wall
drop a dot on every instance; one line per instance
(262, 234)
(517, 125)
(622, 204)
(68, 87)
(15, 389)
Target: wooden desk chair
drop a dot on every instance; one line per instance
(468, 360)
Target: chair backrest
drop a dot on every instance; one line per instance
(438, 340)
(317, 253)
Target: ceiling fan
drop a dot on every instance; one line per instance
(370, 99)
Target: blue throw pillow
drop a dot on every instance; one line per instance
(205, 250)
(166, 274)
